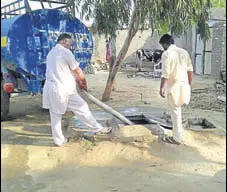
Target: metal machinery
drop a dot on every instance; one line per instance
(26, 39)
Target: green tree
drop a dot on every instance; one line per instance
(162, 15)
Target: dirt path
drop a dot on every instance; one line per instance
(30, 162)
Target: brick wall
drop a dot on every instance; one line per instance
(223, 66)
(218, 50)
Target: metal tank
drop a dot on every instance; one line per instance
(26, 40)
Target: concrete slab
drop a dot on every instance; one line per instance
(124, 133)
(120, 131)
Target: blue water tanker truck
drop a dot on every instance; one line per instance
(26, 40)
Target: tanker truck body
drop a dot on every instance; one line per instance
(25, 42)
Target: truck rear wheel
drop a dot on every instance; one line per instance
(4, 103)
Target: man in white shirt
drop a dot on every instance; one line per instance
(60, 94)
(177, 73)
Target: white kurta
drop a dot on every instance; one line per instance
(60, 82)
(176, 63)
(60, 94)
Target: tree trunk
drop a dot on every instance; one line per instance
(113, 50)
(133, 28)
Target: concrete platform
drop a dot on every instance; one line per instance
(121, 131)
(146, 130)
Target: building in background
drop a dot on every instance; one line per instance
(208, 58)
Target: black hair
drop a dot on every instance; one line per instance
(168, 39)
(64, 36)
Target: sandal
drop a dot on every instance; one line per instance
(170, 140)
(82, 129)
(104, 130)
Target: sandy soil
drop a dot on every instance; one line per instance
(30, 162)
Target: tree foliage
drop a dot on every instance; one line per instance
(108, 15)
(163, 15)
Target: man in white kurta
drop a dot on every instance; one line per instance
(177, 73)
(60, 93)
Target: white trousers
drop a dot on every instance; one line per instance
(80, 108)
(176, 118)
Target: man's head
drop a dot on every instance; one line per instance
(65, 40)
(166, 40)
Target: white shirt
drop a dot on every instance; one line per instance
(176, 63)
(60, 82)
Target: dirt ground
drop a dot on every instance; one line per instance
(31, 163)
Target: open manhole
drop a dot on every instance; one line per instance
(200, 124)
(149, 120)
(139, 119)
